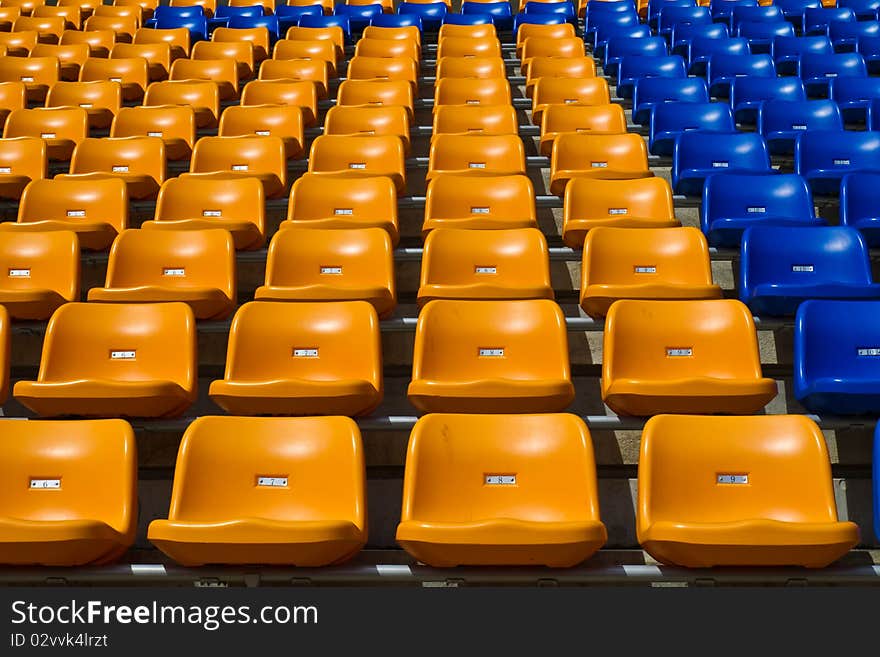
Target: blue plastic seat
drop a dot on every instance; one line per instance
(599, 38)
(858, 204)
(722, 10)
(359, 16)
(633, 68)
(465, 19)
(668, 120)
(837, 357)
(845, 35)
(702, 49)
(197, 25)
(618, 47)
(537, 19)
(500, 12)
(817, 20)
(748, 94)
(670, 16)
(225, 12)
(823, 158)
(787, 51)
(793, 10)
(722, 70)
(328, 21)
(768, 14)
(781, 121)
(169, 13)
(761, 35)
(683, 35)
(564, 8)
(817, 71)
(288, 15)
(431, 13)
(734, 202)
(656, 6)
(270, 22)
(698, 155)
(865, 10)
(854, 97)
(594, 20)
(780, 267)
(650, 92)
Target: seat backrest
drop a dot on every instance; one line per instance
(790, 46)
(637, 67)
(358, 198)
(836, 340)
(660, 90)
(41, 261)
(783, 115)
(823, 149)
(192, 93)
(100, 42)
(703, 47)
(69, 199)
(168, 122)
(471, 67)
(320, 458)
(847, 89)
(620, 46)
(30, 70)
(342, 120)
(588, 152)
(569, 91)
(718, 151)
(364, 154)
(557, 30)
(764, 89)
(177, 38)
(458, 196)
(471, 91)
(48, 472)
(682, 117)
(156, 54)
(57, 123)
(23, 156)
(379, 93)
(248, 153)
(761, 30)
(240, 199)
(779, 196)
(218, 70)
(13, 96)
(390, 68)
(450, 477)
(133, 70)
(88, 95)
(846, 64)
(475, 119)
(281, 92)
(478, 153)
(608, 119)
(611, 199)
(733, 66)
(562, 67)
(406, 28)
(127, 155)
(858, 194)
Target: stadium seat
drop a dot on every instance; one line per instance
(405, 28)
(385, 68)
(42, 273)
(817, 20)
(748, 94)
(369, 121)
(158, 56)
(476, 155)
(824, 157)
(619, 47)
(202, 96)
(100, 42)
(60, 128)
(331, 33)
(759, 14)
(540, 47)
(259, 37)
(195, 267)
(472, 91)
(671, 14)
(133, 74)
(845, 35)
(782, 266)
(683, 35)
(43, 523)
(468, 47)
(282, 121)
(475, 119)
(383, 48)
(311, 70)
(817, 71)
(865, 10)
(787, 51)
(782, 122)
(7, 16)
(314, 515)
(48, 28)
(226, 158)
(308, 264)
(493, 501)
(793, 10)
(490, 357)
(560, 67)
(302, 94)
(115, 360)
(356, 155)
(669, 120)
(378, 93)
(483, 68)
(761, 35)
(205, 202)
(565, 119)
(71, 15)
(13, 96)
(242, 52)
(633, 68)
(651, 263)
(22, 160)
(702, 49)
(467, 25)
(302, 359)
(682, 357)
(568, 91)
(698, 156)
(590, 203)
(431, 13)
(608, 157)
(485, 264)
(858, 207)
(70, 57)
(753, 491)
(139, 161)
(854, 97)
(343, 202)
(780, 200)
(175, 125)
(123, 27)
(19, 44)
(37, 73)
(178, 39)
(559, 30)
(649, 92)
(223, 72)
(869, 49)
(101, 100)
(479, 202)
(723, 70)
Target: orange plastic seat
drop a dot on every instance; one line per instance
(95, 209)
(86, 7)
(652, 263)
(476, 154)
(591, 203)
(100, 42)
(491, 357)
(119, 11)
(308, 264)
(202, 203)
(267, 5)
(22, 160)
(314, 514)
(13, 96)
(8, 16)
(223, 72)
(208, 6)
(544, 47)
(226, 158)
(379, 93)
(332, 33)
(302, 359)
(606, 157)
(384, 68)
(132, 73)
(475, 119)
(241, 52)
(598, 119)
(376, 121)
(195, 267)
(115, 360)
(468, 47)
(479, 202)
(485, 264)
(139, 161)
(48, 28)
(482, 68)
(470, 91)
(449, 30)
(258, 37)
(282, 121)
(26, 7)
(343, 202)
(356, 155)
(178, 39)
(83, 521)
(387, 5)
(326, 5)
(558, 31)
(387, 48)
(37, 73)
(567, 91)
(558, 67)
(753, 491)
(202, 96)
(158, 56)
(61, 128)
(42, 273)
(301, 94)
(174, 125)
(403, 33)
(19, 44)
(123, 27)
(101, 100)
(147, 7)
(682, 357)
(496, 501)
(308, 70)
(320, 50)
(70, 57)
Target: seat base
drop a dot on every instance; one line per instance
(139, 187)
(493, 396)
(59, 543)
(93, 236)
(478, 223)
(481, 292)
(644, 398)
(597, 299)
(379, 297)
(296, 397)
(93, 398)
(783, 300)
(245, 234)
(559, 179)
(574, 232)
(206, 303)
(31, 304)
(384, 223)
(728, 231)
